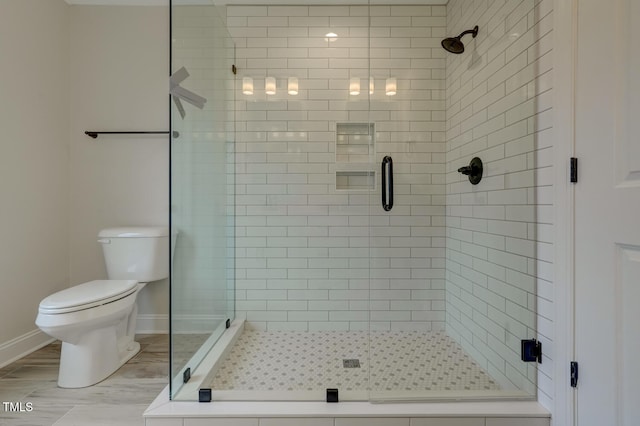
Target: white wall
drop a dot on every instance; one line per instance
(118, 76)
(34, 164)
(67, 70)
(500, 232)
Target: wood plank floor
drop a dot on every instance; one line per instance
(119, 400)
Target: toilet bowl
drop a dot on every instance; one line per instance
(86, 318)
(96, 320)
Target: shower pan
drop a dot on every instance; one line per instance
(331, 248)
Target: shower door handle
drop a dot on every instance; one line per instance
(387, 183)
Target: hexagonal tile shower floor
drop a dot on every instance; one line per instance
(399, 361)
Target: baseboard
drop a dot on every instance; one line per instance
(152, 324)
(22, 346)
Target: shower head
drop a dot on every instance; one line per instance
(454, 44)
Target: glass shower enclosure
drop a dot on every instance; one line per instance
(202, 186)
(327, 242)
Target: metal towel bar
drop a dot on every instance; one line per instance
(94, 134)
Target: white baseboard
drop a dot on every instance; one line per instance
(152, 324)
(22, 346)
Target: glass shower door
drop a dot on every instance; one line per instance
(454, 263)
(202, 186)
(305, 175)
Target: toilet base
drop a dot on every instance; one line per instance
(96, 356)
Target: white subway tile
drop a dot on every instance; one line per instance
(308, 316)
(286, 283)
(329, 11)
(517, 422)
(288, 11)
(311, 21)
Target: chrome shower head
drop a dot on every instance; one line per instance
(454, 44)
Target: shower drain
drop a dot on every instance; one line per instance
(351, 363)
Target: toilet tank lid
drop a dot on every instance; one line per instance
(135, 232)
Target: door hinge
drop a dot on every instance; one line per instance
(574, 374)
(531, 350)
(574, 170)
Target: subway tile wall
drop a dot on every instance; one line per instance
(310, 256)
(499, 233)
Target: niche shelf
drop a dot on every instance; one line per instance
(355, 142)
(355, 180)
(354, 149)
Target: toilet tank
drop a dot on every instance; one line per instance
(136, 253)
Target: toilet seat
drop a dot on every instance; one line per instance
(87, 295)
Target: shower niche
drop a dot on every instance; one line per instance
(355, 151)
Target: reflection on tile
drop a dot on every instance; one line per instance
(118, 400)
(150, 357)
(143, 370)
(114, 391)
(18, 390)
(184, 346)
(104, 415)
(6, 370)
(34, 372)
(153, 343)
(40, 416)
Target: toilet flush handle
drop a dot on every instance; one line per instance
(104, 241)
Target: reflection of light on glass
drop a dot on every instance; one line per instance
(330, 37)
(354, 86)
(247, 86)
(514, 36)
(391, 86)
(292, 86)
(371, 85)
(270, 85)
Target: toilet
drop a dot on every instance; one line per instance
(96, 321)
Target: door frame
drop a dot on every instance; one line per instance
(564, 73)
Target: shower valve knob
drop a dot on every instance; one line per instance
(473, 170)
(466, 170)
